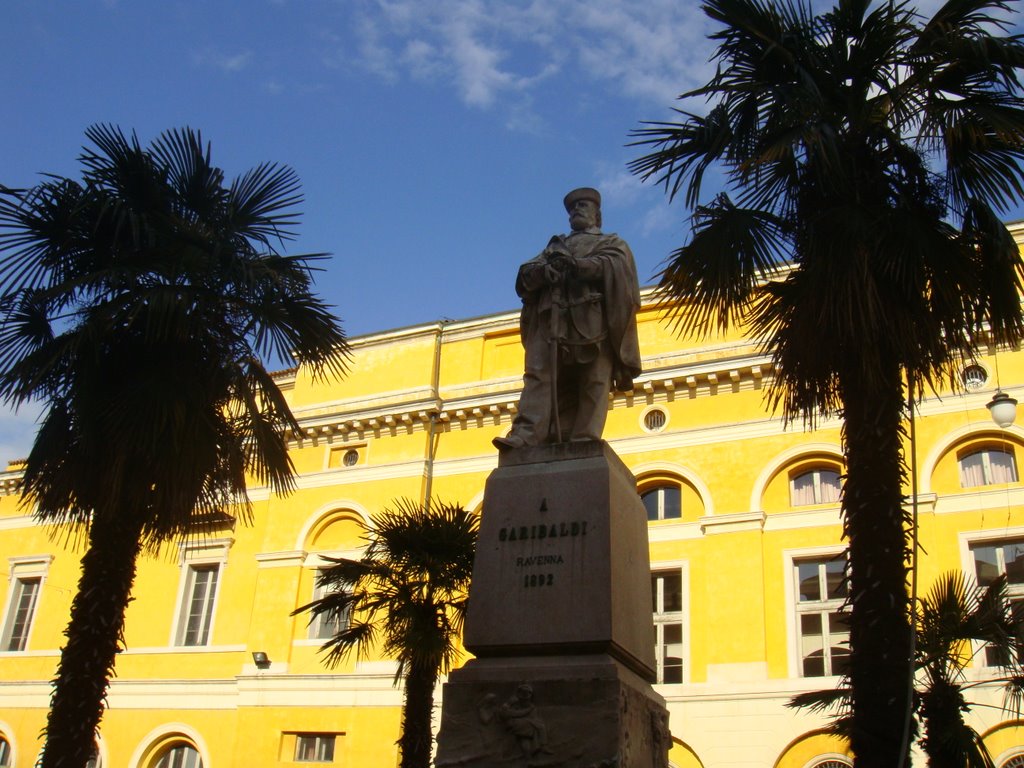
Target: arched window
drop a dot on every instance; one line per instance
(990, 465)
(831, 762)
(1017, 761)
(338, 533)
(5, 753)
(663, 501)
(815, 486)
(179, 755)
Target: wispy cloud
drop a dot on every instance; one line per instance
(661, 218)
(492, 51)
(375, 53)
(477, 65)
(226, 62)
(652, 50)
(618, 186)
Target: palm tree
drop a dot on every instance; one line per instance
(134, 304)
(869, 152)
(406, 596)
(949, 618)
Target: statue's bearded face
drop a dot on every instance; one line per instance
(584, 214)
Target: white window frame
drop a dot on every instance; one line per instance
(210, 554)
(790, 559)
(830, 760)
(319, 744)
(823, 608)
(21, 570)
(672, 617)
(659, 486)
(1012, 758)
(323, 627)
(195, 758)
(6, 751)
(815, 473)
(202, 582)
(987, 472)
(1015, 592)
(314, 561)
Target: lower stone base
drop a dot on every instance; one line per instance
(565, 711)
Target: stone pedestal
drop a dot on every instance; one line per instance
(567, 711)
(560, 620)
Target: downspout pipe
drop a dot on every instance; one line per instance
(435, 394)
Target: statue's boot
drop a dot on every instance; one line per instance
(508, 443)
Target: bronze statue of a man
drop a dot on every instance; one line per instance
(578, 327)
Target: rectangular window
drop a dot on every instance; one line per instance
(667, 594)
(196, 614)
(314, 747)
(993, 559)
(20, 612)
(822, 625)
(325, 626)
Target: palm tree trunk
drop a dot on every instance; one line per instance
(417, 736)
(876, 527)
(948, 741)
(94, 637)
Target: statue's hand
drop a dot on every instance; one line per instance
(556, 247)
(565, 265)
(552, 274)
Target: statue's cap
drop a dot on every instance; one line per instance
(583, 193)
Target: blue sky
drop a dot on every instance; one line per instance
(434, 138)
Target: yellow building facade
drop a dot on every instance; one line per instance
(745, 550)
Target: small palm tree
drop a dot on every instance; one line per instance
(951, 617)
(135, 305)
(406, 597)
(868, 153)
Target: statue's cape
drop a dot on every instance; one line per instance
(621, 300)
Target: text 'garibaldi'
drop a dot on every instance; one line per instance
(578, 327)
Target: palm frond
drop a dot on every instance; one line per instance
(833, 703)
(262, 202)
(407, 593)
(682, 151)
(711, 282)
(1013, 693)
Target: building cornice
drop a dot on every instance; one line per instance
(354, 421)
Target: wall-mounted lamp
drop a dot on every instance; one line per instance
(260, 659)
(1003, 408)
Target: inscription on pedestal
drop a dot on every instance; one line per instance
(540, 570)
(563, 554)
